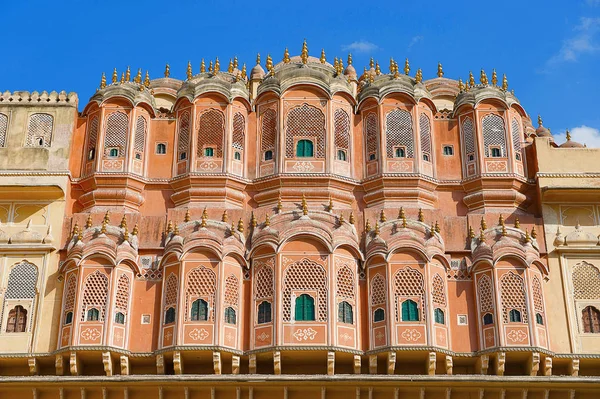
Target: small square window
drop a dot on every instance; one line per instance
(399, 152)
(426, 157)
(462, 320)
(146, 319)
(113, 152)
(518, 156)
(237, 156)
(341, 155)
(495, 152)
(161, 148)
(372, 156)
(268, 155)
(448, 150)
(471, 157)
(138, 156)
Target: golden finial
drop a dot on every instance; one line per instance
(217, 65)
(75, 231)
(138, 76)
(253, 221)
(240, 226)
(257, 58)
(504, 83)
(128, 74)
(235, 62)
(304, 54)
(341, 218)
(396, 73)
(203, 219)
(392, 65)
(401, 213)
(461, 86)
(404, 221)
(517, 224)
(170, 227)
(103, 81)
(481, 236)
(225, 217)
(269, 63)
(279, 204)
(340, 66)
(88, 223)
(115, 76)
(494, 78)
(371, 78)
(167, 71)
(419, 76)
(187, 216)
(107, 217)
(527, 237)
(122, 78)
(147, 79)
(135, 230)
(126, 234)
(232, 229)
(103, 228)
(230, 66)
(323, 59)
(540, 122)
(432, 229)
(304, 205)
(267, 220)
(568, 135)
(440, 71)
(471, 79)
(471, 232)
(501, 220)
(420, 217)
(175, 229)
(189, 71)
(335, 65)
(483, 224)
(504, 233)
(349, 59)
(330, 206)
(205, 213)
(483, 78)
(406, 67)
(376, 229)
(202, 66)
(368, 226)
(244, 71)
(382, 216)
(123, 222)
(533, 232)
(377, 69)
(210, 67)
(351, 218)
(437, 227)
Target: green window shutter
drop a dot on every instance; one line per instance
(203, 313)
(414, 311)
(300, 308)
(349, 316)
(410, 311)
(405, 313)
(304, 148)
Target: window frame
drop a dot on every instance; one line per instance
(120, 318)
(270, 152)
(92, 314)
(491, 319)
(450, 147)
(375, 315)
(262, 310)
(170, 311)
(411, 308)
(158, 146)
(304, 142)
(198, 305)
(306, 303)
(493, 148)
(401, 148)
(515, 316)
(345, 311)
(230, 316)
(439, 314)
(68, 318)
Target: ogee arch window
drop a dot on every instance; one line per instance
(304, 149)
(199, 310)
(379, 315)
(345, 314)
(438, 315)
(230, 317)
(305, 308)
(410, 310)
(264, 312)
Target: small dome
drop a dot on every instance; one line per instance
(570, 143)
(543, 132)
(257, 72)
(350, 71)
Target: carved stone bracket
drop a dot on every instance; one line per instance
(391, 362)
(330, 363)
(160, 364)
(177, 363)
(124, 360)
(277, 362)
(449, 365)
(482, 365)
(372, 364)
(357, 364)
(108, 364)
(431, 361)
(252, 364)
(500, 363)
(217, 362)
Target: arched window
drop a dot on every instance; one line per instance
(264, 312)
(113, 152)
(268, 134)
(304, 148)
(211, 130)
(3, 129)
(69, 318)
(161, 148)
(170, 316)
(494, 136)
(39, 130)
(199, 310)
(342, 133)
(539, 319)
(591, 320)
(410, 310)
(379, 315)
(488, 319)
(115, 140)
(237, 156)
(93, 314)
(341, 155)
(425, 136)
(209, 152)
(305, 122)
(399, 132)
(230, 315)
(139, 141)
(305, 308)
(514, 316)
(92, 139)
(119, 318)
(371, 136)
(17, 320)
(345, 314)
(237, 136)
(399, 152)
(268, 155)
(438, 316)
(183, 137)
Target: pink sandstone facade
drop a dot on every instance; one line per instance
(374, 231)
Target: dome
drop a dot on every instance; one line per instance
(350, 71)
(570, 143)
(257, 72)
(541, 131)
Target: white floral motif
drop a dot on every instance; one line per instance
(380, 336)
(201, 334)
(169, 335)
(401, 166)
(489, 336)
(411, 335)
(90, 334)
(517, 336)
(229, 336)
(346, 337)
(263, 337)
(303, 167)
(306, 334)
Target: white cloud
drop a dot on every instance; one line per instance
(417, 39)
(581, 134)
(361, 46)
(593, 3)
(585, 41)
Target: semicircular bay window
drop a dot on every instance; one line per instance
(305, 132)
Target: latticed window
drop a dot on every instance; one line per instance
(22, 281)
(345, 283)
(268, 134)
(371, 136)
(95, 294)
(17, 320)
(538, 302)
(92, 139)
(378, 290)
(514, 316)
(39, 130)
(485, 293)
(3, 129)
(139, 142)
(239, 126)
(171, 290)
(399, 132)
(410, 310)
(70, 294)
(342, 133)
(116, 134)
(438, 291)
(230, 317)
(469, 136)
(305, 122)
(231, 290)
(264, 282)
(183, 136)
(305, 308)
(494, 135)
(211, 131)
(512, 294)
(379, 315)
(264, 312)
(199, 310)
(68, 318)
(409, 282)
(516, 137)
(586, 281)
(345, 314)
(438, 316)
(201, 282)
(590, 317)
(305, 275)
(425, 136)
(122, 295)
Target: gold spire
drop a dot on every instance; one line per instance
(286, 56)
(122, 78)
(483, 224)
(115, 76)
(404, 221)
(440, 71)
(189, 71)
(461, 86)
(253, 221)
(471, 232)
(377, 68)
(240, 226)
(175, 230)
(167, 71)
(504, 233)
(341, 218)
(225, 217)
(527, 237)
(401, 213)
(170, 227)
(533, 232)
(279, 204)
(540, 122)
(517, 224)
(123, 222)
(107, 217)
(75, 231)
(187, 216)
(210, 67)
(501, 220)
(103, 81)
(138, 76)
(202, 66)
(494, 78)
(232, 229)
(269, 63)
(504, 83)
(323, 59)
(304, 205)
(217, 65)
(396, 73)
(568, 135)
(203, 219)
(368, 226)
(88, 223)
(128, 74)
(304, 54)
(244, 71)
(135, 230)
(235, 62)
(351, 218)
(371, 63)
(257, 58)
(103, 228)
(420, 217)
(330, 206)
(392, 65)
(382, 216)
(147, 79)
(230, 66)
(483, 77)
(437, 227)
(349, 59)
(376, 229)
(432, 229)
(481, 236)
(419, 76)
(335, 65)
(471, 79)
(340, 66)
(406, 67)
(205, 213)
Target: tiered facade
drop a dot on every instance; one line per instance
(378, 234)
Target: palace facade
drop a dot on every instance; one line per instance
(303, 230)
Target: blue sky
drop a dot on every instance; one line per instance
(549, 50)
